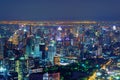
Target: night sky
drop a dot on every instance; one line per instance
(100, 10)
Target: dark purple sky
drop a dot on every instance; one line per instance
(100, 10)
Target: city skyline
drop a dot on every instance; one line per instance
(66, 10)
(59, 39)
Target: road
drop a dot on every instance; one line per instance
(94, 76)
(109, 71)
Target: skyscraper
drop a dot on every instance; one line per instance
(1, 49)
(42, 49)
(51, 51)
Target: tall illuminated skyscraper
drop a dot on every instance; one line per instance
(29, 43)
(51, 51)
(36, 47)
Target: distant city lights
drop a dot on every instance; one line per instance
(25, 30)
(114, 27)
(98, 74)
(59, 39)
(2, 69)
(20, 29)
(88, 50)
(59, 28)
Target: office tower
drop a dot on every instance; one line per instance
(1, 49)
(29, 42)
(36, 62)
(51, 51)
(35, 50)
(99, 51)
(58, 36)
(42, 50)
(5, 51)
(13, 76)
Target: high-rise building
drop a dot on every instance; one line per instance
(29, 43)
(57, 60)
(42, 50)
(5, 51)
(1, 49)
(36, 51)
(99, 51)
(51, 51)
(13, 76)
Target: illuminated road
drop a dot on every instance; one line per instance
(111, 72)
(93, 77)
